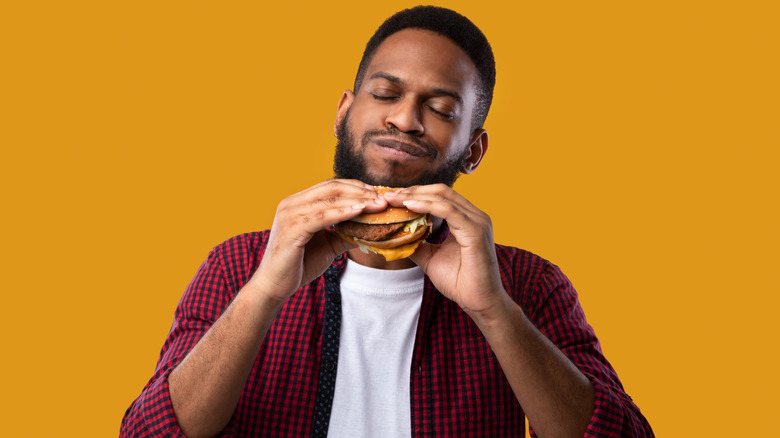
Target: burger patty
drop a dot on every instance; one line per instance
(370, 232)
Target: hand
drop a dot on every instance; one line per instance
(300, 247)
(464, 267)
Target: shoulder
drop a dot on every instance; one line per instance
(521, 264)
(246, 243)
(528, 277)
(239, 256)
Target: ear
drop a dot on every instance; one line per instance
(477, 149)
(344, 103)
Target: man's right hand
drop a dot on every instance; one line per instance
(300, 247)
(205, 387)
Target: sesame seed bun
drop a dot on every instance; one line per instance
(392, 215)
(401, 244)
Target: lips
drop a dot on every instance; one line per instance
(413, 150)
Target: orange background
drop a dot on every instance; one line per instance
(634, 144)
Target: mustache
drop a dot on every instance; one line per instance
(402, 137)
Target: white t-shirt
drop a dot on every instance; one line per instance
(380, 309)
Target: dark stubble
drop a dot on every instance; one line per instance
(349, 164)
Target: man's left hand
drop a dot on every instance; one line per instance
(464, 267)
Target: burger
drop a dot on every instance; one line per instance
(395, 233)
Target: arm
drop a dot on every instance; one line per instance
(205, 387)
(556, 395)
(558, 315)
(205, 298)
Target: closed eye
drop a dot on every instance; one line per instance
(384, 98)
(444, 115)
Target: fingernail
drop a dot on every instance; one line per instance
(378, 201)
(410, 202)
(389, 195)
(358, 206)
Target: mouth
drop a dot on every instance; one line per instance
(405, 148)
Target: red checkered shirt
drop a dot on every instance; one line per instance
(457, 387)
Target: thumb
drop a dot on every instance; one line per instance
(422, 256)
(338, 243)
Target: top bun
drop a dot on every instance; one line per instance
(384, 189)
(392, 215)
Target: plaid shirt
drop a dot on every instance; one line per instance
(457, 386)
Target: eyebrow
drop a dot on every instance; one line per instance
(397, 81)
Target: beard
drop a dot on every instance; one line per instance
(349, 164)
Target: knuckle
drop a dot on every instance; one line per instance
(311, 217)
(319, 203)
(449, 208)
(283, 204)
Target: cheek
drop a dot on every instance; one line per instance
(363, 111)
(450, 142)
(361, 125)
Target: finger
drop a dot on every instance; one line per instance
(365, 205)
(465, 223)
(333, 187)
(422, 255)
(337, 243)
(452, 213)
(431, 189)
(333, 194)
(355, 182)
(456, 212)
(312, 220)
(433, 193)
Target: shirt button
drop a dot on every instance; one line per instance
(339, 257)
(329, 365)
(335, 298)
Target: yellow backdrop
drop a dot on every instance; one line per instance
(634, 144)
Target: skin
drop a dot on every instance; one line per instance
(423, 85)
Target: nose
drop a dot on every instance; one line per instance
(405, 116)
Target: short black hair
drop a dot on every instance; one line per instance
(452, 25)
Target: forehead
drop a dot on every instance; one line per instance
(426, 59)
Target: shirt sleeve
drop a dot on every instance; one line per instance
(206, 297)
(559, 316)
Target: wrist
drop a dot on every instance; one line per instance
(503, 310)
(260, 297)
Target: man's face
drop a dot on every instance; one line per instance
(410, 121)
(349, 163)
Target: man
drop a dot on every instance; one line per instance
(280, 335)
